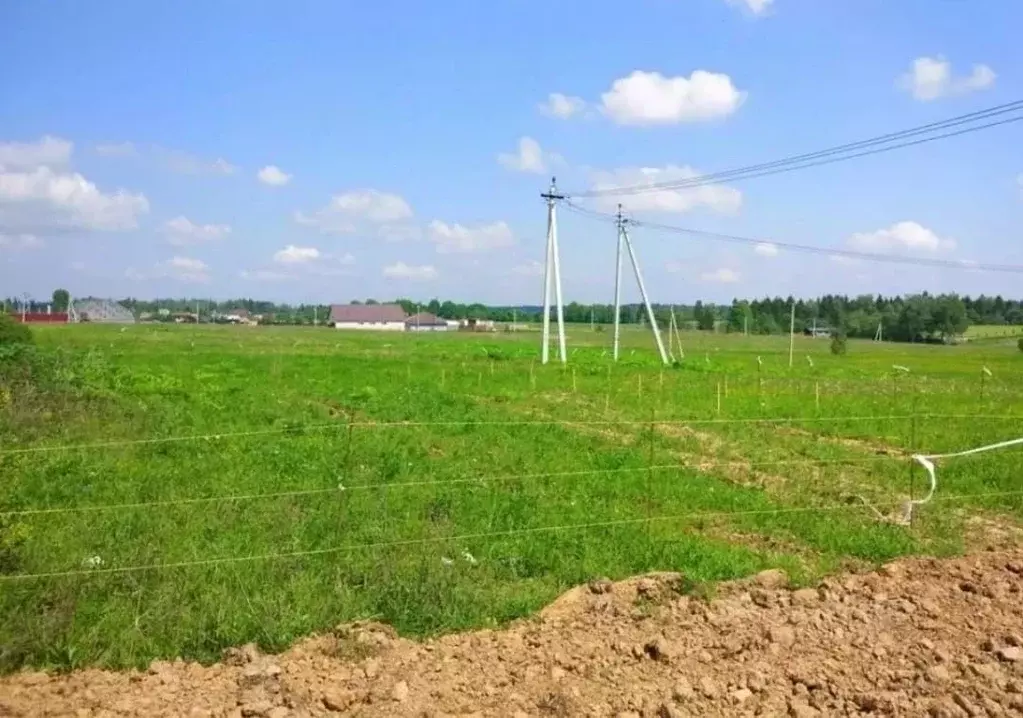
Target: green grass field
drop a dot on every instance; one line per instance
(192, 488)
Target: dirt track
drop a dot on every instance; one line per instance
(917, 638)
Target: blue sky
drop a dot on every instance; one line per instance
(316, 151)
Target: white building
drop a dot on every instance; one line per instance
(425, 322)
(376, 317)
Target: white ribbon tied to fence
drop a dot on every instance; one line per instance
(927, 462)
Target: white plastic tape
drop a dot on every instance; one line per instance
(927, 461)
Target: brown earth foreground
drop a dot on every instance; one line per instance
(916, 638)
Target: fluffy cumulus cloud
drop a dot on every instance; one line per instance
(457, 238)
(38, 193)
(766, 249)
(724, 275)
(273, 175)
(717, 198)
(529, 157)
(44, 199)
(401, 270)
(650, 98)
(296, 255)
(349, 211)
(755, 7)
(901, 236)
(182, 231)
(931, 78)
(562, 106)
(45, 152)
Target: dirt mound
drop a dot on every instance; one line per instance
(916, 638)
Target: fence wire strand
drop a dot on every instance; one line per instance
(113, 570)
(341, 488)
(299, 430)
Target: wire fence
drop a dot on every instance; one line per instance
(100, 571)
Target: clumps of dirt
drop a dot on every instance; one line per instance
(923, 637)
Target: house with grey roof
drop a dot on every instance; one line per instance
(375, 317)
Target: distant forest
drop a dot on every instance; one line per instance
(918, 317)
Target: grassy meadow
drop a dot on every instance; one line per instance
(181, 489)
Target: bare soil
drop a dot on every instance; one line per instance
(918, 637)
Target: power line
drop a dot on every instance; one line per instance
(840, 153)
(845, 253)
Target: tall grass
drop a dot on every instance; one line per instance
(444, 482)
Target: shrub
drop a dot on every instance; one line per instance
(12, 332)
(1020, 344)
(838, 345)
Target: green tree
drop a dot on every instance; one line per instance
(61, 300)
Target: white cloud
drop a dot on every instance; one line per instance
(528, 158)
(116, 149)
(181, 231)
(718, 198)
(400, 270)
(273, 176)
(46, 152)
(844, 260)
(184, 269)
(187, 269)
(20, 241)
(345, 211)
(561, 106)
(531, 268)
(457, 238)
(757, 7)
(724, 275)
(45, 199)
(766, 249)
(673, 266)
(930, 78)
(296, 255)
(901, 236)
(650, 98)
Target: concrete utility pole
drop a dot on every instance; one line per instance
(552, 271)
(792, 332)
(623, 238)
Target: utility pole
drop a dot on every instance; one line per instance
(592, 325)
(623, 238)
(618, 284)
(316, 315)
(552, 271)
(792, 332)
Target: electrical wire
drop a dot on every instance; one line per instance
(863, 148)
(807, 248)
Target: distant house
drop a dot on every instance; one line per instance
(425, 322)
(239, 316)
(817, 332)
(378, 317)
(477, 325)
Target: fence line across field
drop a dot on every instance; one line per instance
(113, 570)
(341, 488)
(667, 421)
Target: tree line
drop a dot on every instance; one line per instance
(920, 317)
